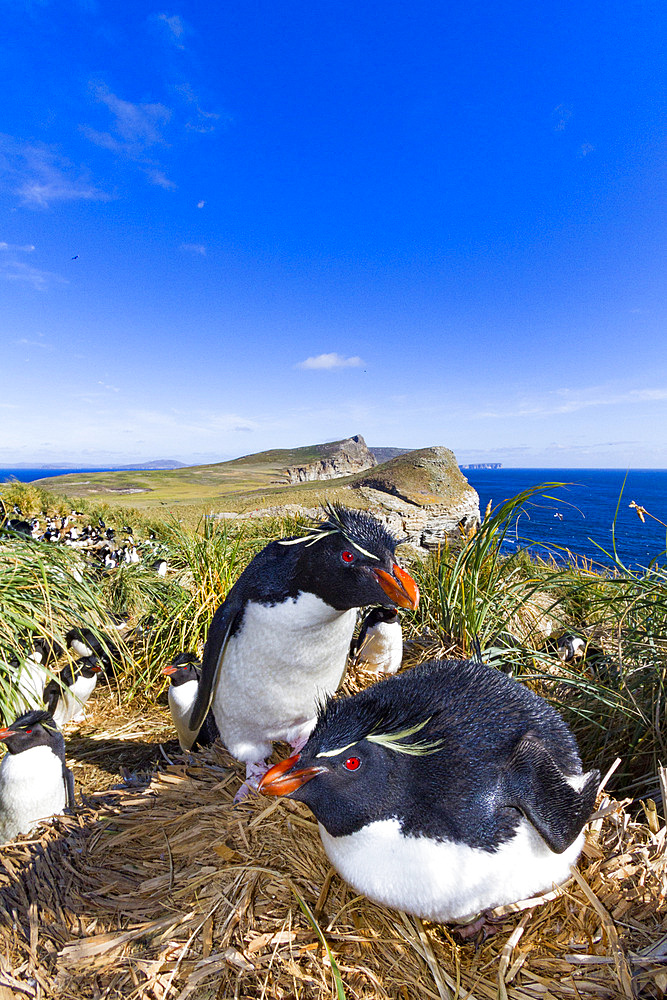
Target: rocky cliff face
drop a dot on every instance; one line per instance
(422, 495)
(341, 458)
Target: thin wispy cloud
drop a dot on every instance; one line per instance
(40, 175)
(22, 272)
(194, 248)
(560, 116)
(13, 248)
(567, 401)
(327, 362)
(174, 28)
(134, 127)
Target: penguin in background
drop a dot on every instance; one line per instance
(443, 791)
(66, 695)
(184, 673)
(35, 782)
(379, 645)
(32, 674)
(280, 641)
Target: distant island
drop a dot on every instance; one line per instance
(482, 465)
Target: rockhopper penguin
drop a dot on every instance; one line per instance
(34, 781)
(443, 791)
(280, 641)
(66, 695)
(379, 645)
(184, 673)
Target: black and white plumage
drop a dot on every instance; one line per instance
(65, 696)
(444, 791)
(280, 641)
(85, 643)
(571, 648)
(184, 674)
(35, 782)
(379, 645)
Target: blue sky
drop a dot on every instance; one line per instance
(231, 227)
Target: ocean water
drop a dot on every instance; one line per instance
(581, 513)
(586, 506)
(27, 475)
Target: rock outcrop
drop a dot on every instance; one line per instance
(422, 495)
(341, 458)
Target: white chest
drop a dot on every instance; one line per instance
(446, 881)
(276, 668)
(31, 788)
(382, 649)
(31, 684)
(181, 698)
(70, 707)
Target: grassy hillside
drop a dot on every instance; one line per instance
(233, 485)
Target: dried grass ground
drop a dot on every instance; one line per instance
(168, 890)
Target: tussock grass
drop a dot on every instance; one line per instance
(476, 600)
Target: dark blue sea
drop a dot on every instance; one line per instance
(27, 475)
(579, 516)
(586, 508)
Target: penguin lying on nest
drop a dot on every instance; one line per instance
(184, 673)
(280, 641)
(34, 780)
(443, 791)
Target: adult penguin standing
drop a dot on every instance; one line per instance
(35, 782)
(279, 643)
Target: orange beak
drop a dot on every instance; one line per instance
(400, 588)
(169, 670)
(4, 733)
(277, 782)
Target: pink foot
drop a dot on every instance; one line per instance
(253, 775)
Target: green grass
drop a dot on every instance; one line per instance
(474, 598)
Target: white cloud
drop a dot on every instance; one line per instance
(19, 271)
(40, 175)
(200, 204)
(175, 27)
(135, 127)
(16, 249)
(196, 248)
(570, 401)
(159, 178)
(329, 361)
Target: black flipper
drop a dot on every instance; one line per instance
(70, 801)
(535, 784)
(51, 695)
(214, 652)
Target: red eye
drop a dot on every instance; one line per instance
(28, 731)
(347, 557)
(352, 763)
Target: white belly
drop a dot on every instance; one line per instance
(31, 789)
(445, 881)
(70, 707)
(283, 661)
(383, 648)
(30, 686)
(181, 699)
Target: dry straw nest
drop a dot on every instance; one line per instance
(172, 891)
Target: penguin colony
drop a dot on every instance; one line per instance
(443, 791)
